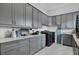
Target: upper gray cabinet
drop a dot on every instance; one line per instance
(5, 13)
(63, 21)
(35, 18)
(53, 20)
(28, 15)
(58, 20)
(19, 14)
(40, 19)
(69, 20)
(45, 20)
(50, 20)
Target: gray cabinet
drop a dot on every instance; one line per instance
(63, 21)
(19, 14)
(69, 20)
(50, 21)
(20, 47)
(43, 41)
(53, 20)
(28, 15)
(35, 44)
(67, 39)
(58, 20)
(5, 13)
(44, 19)
(35, 18)
(40, 19)
(25, 46)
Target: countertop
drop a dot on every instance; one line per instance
(4, 40)
(67, 31)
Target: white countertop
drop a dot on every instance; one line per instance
(3, 40)
(76, 39)
(67, 31)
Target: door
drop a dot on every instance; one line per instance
(19, 14)
(35, 18)
(5, 13)
(28, 15)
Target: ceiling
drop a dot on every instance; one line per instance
(53, 9)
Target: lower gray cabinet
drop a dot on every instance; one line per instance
(43, 41)
(67, 39)
(23, 50)
(27, 46)
(20, 47)
(35, 44)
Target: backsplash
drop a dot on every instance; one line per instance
(53, 28)
(4, 30)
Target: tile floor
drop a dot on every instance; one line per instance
(56, 49)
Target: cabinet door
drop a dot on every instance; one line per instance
(35, 44)
(58, 20)
(22, 50)
(39, 20)
(50, 20)
(5, 13)
(53, 20)
(69, 21)
(35, 18)
(10, 52)
(63, 21)
(38, 43)
(46, 20)
(43, 41)
(28, 15)
(42, 19)
(19, 14)
(23, 47)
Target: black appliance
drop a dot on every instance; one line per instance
(50, 37)
(77, 26)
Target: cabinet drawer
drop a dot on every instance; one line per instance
(9, 52)
(19, 43)
(8, 44)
